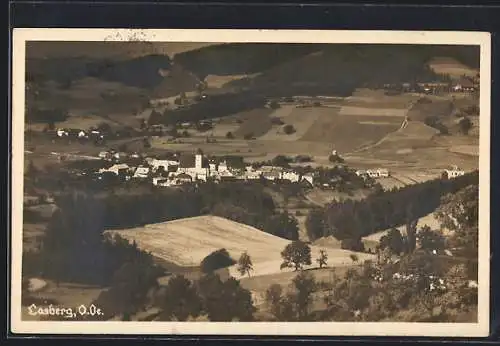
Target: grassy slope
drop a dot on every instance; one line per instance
(186, 242)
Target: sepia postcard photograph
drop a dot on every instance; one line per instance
(250, 182)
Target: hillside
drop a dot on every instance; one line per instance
(186, 242)
(241, 58)
(108, 49)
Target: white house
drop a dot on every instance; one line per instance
(62, 132)
(453, 172)
(161, 181)
(378, 173)
(309, 178)
(155, 164)
(115, 168)
(105, 155)
(271, 175)
(291, 176)
(222, 167)
(141, 172)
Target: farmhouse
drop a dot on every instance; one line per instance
(291, 176)
(141, 172)
(464, 85)
(156, 164)
(453, 172)
(105, 155)
(116, 169)
(62, 133)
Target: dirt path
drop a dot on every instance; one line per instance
(404, 125)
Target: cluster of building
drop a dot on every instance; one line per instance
(464, 85)
(78, 133)
(373, 173)
(197, 168)
(453, 172)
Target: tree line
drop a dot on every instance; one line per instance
(385, 209)
(75, 249)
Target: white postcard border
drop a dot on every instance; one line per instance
(22, 35)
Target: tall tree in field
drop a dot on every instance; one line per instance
(465, 125)
(296, 255)
(411, 231)
(245, 265)
(322, 259)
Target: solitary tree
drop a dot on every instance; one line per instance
(354, 258)
(411, 233)
(289, 129)
(245, 264)
(465, 125)
(296, 255)
(322, 259)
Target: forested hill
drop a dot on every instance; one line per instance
(244, 58)
(287, 68)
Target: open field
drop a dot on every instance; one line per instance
(440, 108)
(472, 150)
(451, 67)
(255, 122)
(186, 242)
(346, 134)
(300, 118)
(219, 81)
(369, 109)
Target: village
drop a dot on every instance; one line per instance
(190, 168)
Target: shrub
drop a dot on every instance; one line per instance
(216, 260)
(353, 244)
(248, 136)
(289, 129)
(276, 121)
(229, 135)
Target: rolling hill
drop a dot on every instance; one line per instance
(186, 242)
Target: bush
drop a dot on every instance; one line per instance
(248, 136)
(353, 244)
(276, 121)
(289, 129)
(216, 260)
(229, 135)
